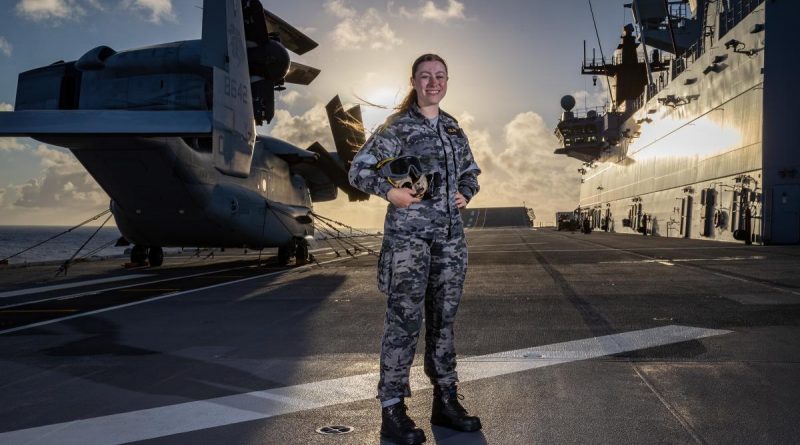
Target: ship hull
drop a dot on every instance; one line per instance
(702, 158)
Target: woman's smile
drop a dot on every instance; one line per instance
(430, 82)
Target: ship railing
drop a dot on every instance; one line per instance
(638, 103)
(594, 66)
(617, 60)
(581, 140)
(593, 62)
(736, 11)
(694, 52)
(584, 113)
(650, 92)
(733, 14)
(659, 83)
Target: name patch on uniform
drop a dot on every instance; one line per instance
(454, 131)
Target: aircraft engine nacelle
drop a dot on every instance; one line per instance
(239, 211)
(95, 59)
(270, 61)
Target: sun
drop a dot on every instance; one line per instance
(378, 103)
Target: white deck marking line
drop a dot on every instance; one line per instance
(320, 250)
(97, 291)
(719, 274)
(202, 414)
(633, 249)
(370, 245)
(758, 283)
(173, 294)
(765, 299)
(505, 244)
(629, 252)
(93, 292)
(686, 260)
(35, 290)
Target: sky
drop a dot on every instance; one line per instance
(509, 62)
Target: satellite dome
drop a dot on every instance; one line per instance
(567, 103)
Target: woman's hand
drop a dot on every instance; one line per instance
(461, 201)
(401, 197)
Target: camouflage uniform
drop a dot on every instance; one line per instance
(423, 258)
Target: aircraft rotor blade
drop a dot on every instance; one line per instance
(301, 74)
(255, 23)
(294, 40)
(347, 127)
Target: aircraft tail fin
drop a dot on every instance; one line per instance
(225, 51)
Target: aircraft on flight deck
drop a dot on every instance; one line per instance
(169, 132)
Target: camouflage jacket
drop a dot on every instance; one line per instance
(444, 150)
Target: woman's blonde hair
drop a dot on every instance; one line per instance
(411, 97)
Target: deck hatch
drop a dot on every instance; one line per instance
(335, 429)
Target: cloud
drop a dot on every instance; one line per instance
(429, 11)
(303, 130)
(339, 9)
(361, 215)
(525, 168)
(156, 10)
(10, 144)
(355, 31)
(588, 100)
(290, 97)
(599, 97)
(5, 47)
(62, 184)
(40, 10)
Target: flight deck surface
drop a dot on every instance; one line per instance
(562, 338)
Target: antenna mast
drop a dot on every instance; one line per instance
(602, 56)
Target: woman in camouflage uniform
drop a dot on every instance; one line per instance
(423, 259)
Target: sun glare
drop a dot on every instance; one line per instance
(703, 138)
(384, 99)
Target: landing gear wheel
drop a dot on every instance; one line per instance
(301, 253)
(138, 254)
(284, 253)
(156, 256)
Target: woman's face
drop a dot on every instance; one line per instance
(430, 81)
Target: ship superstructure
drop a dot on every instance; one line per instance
(697, 140)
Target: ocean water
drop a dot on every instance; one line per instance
(14, 239)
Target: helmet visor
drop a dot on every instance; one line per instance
(405, 166)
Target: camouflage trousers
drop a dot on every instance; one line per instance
(419, 275)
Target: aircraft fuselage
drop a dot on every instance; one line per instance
(165, 192)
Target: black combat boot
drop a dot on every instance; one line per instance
(398, 427)
(448, 412)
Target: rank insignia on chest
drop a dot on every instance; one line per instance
(454, 131)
